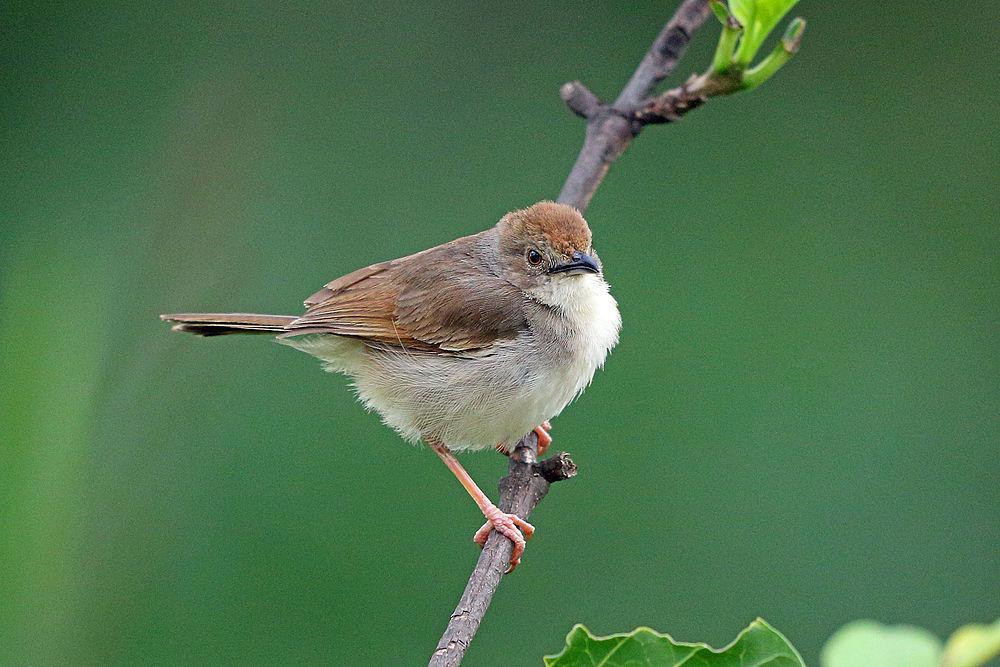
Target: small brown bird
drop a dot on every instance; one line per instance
(468, 345)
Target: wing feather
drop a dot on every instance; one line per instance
(442, 300)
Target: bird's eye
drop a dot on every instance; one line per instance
(534, 257)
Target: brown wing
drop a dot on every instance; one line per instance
(440, 300)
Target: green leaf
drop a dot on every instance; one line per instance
(759, 645)
(972, 645)
(743, 10)
(758, 18)
(785, 49)
(728, 38)
(864, 643)
(720, 11)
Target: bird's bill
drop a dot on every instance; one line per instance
(581, 263)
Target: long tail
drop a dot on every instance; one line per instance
(220, 324)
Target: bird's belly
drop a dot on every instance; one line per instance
(464, 402)
(467, 403)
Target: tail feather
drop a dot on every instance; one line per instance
(221, 324)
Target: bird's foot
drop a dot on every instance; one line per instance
(544, 439)
(507, 525)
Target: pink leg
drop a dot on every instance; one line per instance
(544, 439)
(504, 523)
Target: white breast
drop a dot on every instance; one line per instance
(593, 321)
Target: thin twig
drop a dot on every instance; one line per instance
(610, 129)
(670, 105)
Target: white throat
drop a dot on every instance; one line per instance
(588, 307)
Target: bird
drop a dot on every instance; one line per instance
(465, 346)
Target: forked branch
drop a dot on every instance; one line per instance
(610, 130)
(611, 127)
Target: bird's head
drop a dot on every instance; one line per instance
(546, 250)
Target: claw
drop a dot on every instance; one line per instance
(511, 526)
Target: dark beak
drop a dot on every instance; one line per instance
(582, 263)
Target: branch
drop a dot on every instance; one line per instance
(525, 485)
(611, 128)
(609, 131)
(674, 103)
(724, 77)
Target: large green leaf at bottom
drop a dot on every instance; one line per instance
(759, 645)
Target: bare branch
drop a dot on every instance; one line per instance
(579, 99)
(525, 485)
(670, 105)
(662, 57)
(610, 129)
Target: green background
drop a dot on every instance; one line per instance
(800, 421)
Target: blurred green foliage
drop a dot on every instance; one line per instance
(862, 643)
(800, 420)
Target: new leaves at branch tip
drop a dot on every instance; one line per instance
(758, 644)
(745, 26)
